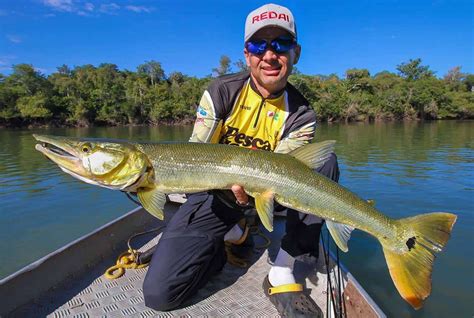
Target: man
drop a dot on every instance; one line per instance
(258, 110)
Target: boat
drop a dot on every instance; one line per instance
(70, 282)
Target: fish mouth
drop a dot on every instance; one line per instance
(61, 151)
(55, 147)
(52, 149)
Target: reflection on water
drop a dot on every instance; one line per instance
(407, 168)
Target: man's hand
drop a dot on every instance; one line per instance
(240, 195)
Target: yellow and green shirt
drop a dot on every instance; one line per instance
(231, 111)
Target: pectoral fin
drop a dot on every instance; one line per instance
(153, 201)
(340, 233)
(264, 206)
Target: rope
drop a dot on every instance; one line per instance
(129, 259)
(126, 260)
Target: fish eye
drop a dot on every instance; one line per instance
(86, 148)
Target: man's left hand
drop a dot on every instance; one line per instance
(240, 195)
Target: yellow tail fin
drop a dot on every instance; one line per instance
(411, 266)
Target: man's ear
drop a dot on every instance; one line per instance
(297, 54)
(247, 57)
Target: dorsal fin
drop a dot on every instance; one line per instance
(316, 154)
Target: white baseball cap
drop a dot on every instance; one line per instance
(269, 15)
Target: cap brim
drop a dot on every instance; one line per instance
(270, 26)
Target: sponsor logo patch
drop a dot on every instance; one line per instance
(234, 137)
(201, 111)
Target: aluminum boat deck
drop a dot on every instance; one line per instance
(70, 281)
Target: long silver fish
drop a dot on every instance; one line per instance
(155, 169)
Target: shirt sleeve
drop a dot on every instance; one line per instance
(300, 132)
(208, 125)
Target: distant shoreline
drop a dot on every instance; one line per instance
(31, 124)
(103, 96)
(24, 123)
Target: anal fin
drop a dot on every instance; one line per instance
(264, 205)
(340, 233)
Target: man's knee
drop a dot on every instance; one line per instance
(181, 264)
(158, 295)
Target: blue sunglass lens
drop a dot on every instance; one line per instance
(257, 47)
(280, 45)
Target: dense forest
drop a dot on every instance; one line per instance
(104, 95)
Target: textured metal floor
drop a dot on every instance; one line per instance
(235, 292)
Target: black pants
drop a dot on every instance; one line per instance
(191, 248)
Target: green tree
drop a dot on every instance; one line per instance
(153, 70)
(413, 70)
(429, 99)
(224, 66)
(64, 70)
(136, 91)
(35, 106)
(332, 99)
(87, 95)
(454, 78)
(8, 98)
(388, 101)
(84, 108)
(469, 82)
(176, 78)
(308, 86)
(28, 81)
(358, 80)
(109, 93)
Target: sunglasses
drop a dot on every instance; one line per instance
(279, 45)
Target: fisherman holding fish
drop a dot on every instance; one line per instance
(264, 117)
(258, 109)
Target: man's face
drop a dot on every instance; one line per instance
(270, 70)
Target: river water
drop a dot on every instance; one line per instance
(407, 168)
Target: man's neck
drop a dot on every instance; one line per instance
(264, 91)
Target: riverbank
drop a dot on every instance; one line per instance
(21, 123)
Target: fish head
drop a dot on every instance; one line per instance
(116, 165)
